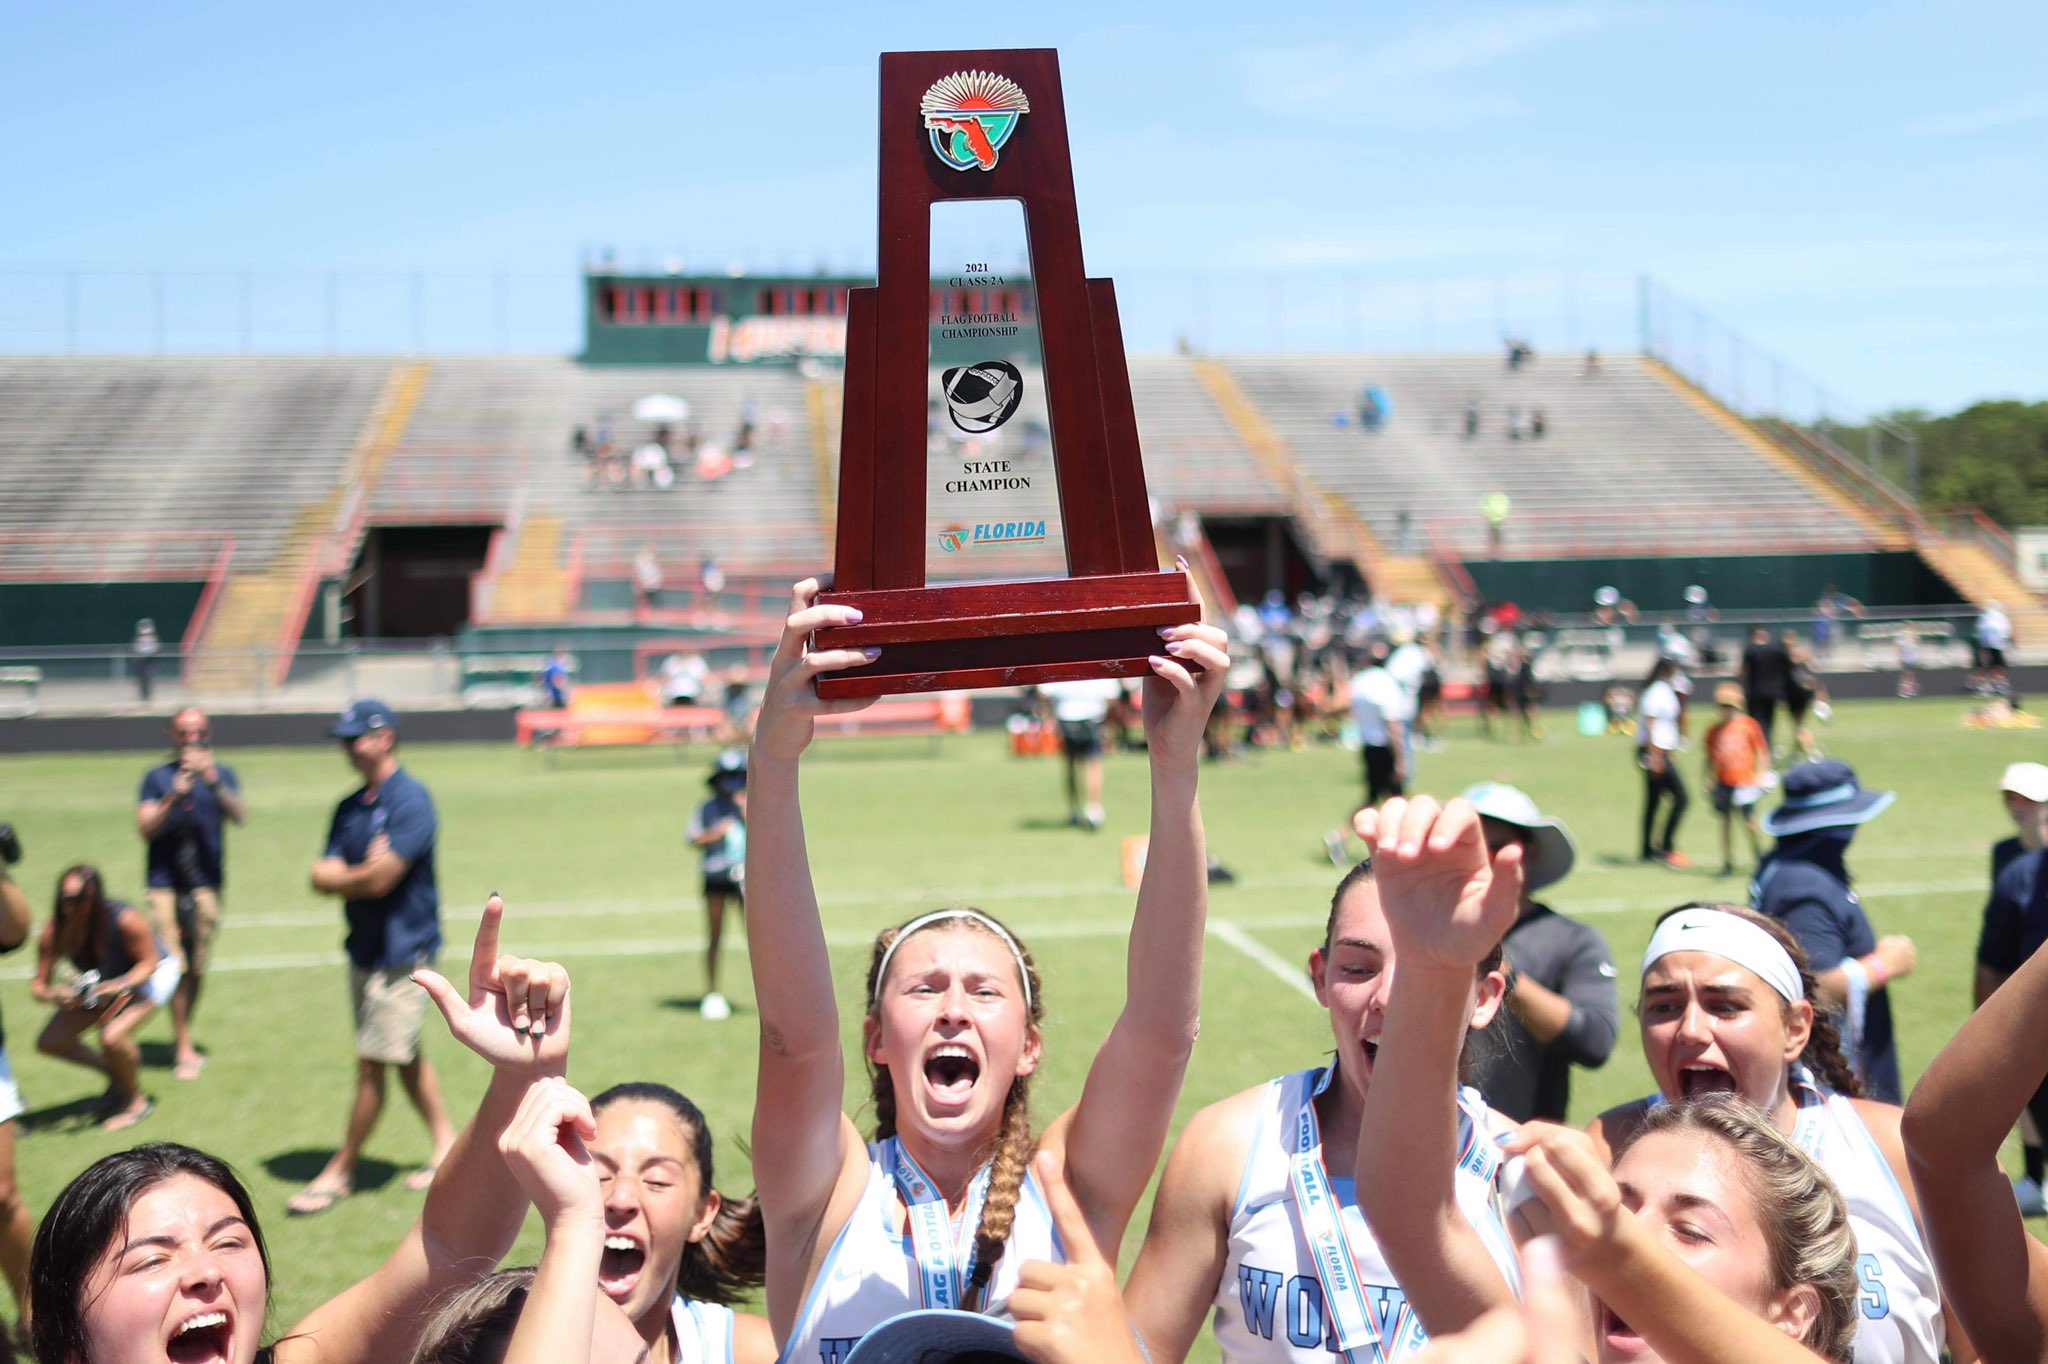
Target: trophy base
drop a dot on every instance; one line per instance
(1010, 634)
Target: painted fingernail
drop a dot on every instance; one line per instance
(853, 615)
(1176, 646)
(1166, 631)
(871, 653)
(1156, 661)
(1503, 1138)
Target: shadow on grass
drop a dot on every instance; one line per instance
(304, 1165)
(1042, 823)
(159, 1055)
(73, 1115)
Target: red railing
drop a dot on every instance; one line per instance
(79, 556)
(310, 579)
(1596, 534)
(202, 614)
(1968, 523)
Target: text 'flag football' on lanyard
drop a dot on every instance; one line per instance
(1322, 1221)
(944, 1259)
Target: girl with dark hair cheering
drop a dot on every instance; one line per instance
(156, 1253)
(1729, 1005)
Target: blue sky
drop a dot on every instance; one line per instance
(1858, 189)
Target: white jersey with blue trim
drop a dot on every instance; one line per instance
(704, 1331)
(1898, 1299)
(1269, 1305)
(871, 1273)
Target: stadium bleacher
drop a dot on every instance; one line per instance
(109, 464)
(1628, 463)
(491, 441)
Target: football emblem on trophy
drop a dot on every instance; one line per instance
(971, 114)
(981, 397)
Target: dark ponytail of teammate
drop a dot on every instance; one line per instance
(1823, 1053)
(729, 1261)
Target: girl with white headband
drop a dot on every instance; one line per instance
(1728, 1006)
(939, 1211)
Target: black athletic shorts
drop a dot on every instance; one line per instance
(1081, 738)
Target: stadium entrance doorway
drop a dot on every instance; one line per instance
(412, 582)
(1261, 554)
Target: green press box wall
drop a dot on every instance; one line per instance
(1757, 582)
(99, 614)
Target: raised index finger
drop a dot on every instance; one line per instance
(1077, 1238)
(484, 955)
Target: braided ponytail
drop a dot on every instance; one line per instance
(1014, 1146)
(1010, 1158)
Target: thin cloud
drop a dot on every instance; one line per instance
(1981, 120)
(1425, 76)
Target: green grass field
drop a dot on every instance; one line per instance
(590, 857)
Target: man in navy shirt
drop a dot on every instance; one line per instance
(2015, 926)
(1804, 883)
(380, 862)
(181, 814)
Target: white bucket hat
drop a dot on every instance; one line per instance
(1550, 852)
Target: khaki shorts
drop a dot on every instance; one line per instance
(195, 950)
(390, 1010)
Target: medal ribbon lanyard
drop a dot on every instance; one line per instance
(1322, 1222)
(944, 1261)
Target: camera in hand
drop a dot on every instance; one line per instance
(10, 846)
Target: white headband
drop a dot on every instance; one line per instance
(1729, 936)
(940, 916)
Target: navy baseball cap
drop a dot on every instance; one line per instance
(363, 717)
(1824, 795)
(937, 1334)
(729, 773)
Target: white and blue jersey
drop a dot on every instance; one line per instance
(1269, 1305)
(703, 1331)
(1898, 1298)
(872, 1272)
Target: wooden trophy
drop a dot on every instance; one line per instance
(988, 126)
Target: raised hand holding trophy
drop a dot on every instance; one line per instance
(987, 126)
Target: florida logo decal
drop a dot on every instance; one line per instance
(970, 115)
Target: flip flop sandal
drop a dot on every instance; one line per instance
(422, 1179)
(189, 1070)
(122, 1121)
(313, 1200)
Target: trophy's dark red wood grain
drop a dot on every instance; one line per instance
(1101, 620)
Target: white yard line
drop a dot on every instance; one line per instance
(1292, 975)
(1235, 932)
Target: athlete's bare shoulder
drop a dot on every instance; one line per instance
(1612, 1130)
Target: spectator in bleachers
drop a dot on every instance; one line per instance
(1519, 353)
(1471, 417)
(143, 654)
(1589, 368)
(1514, 423)
(1404, 533)
(650, 467)
(743, 435)
(710, 576)
(646, 578)
(1537, 425)
(1495, 507)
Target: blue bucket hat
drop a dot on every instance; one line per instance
(1824, 795)
(363, 717)
(937, 1333)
